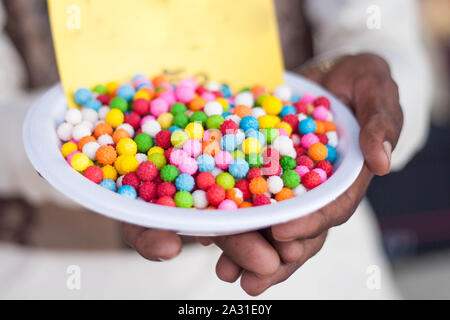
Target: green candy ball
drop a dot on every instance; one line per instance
(180, 120)
(261, 98)
(214, 122)
(225, 180)
(288, 163)
(169, 173)
(119, 103)
(144, 142)
(199, 116)
(291, 179)
(178, 108)
(184, 199)
(270, 134)
(100, 89)
(238, 154)
(158, 159)
(255, 160)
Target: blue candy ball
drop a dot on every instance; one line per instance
(295, 98)
(139, 76)
(185, 182)
(332, 154)
(307, 126)
(127, 191)
(93, 104)
(228, 142)
(226, 114)
(144, 85)
(126, 92)
(238, 168)
(257, 135)
(82, 96)
(108, 184)
(174, 128)
(205, 163)
(226, 91)
(288, 109)
(249, 122)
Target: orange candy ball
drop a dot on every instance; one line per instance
(103, 128)
(120, 134)
(197, 104)
(258, 185)
(245, 204)
(318, 152)
(320, 127)
(106, 155)
(211, 147)
(235, 195)
(284, 194)
(329, 126)
(242, 111)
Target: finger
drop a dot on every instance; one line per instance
(255, 285)
(227, 270)
(335, 213)
(131, 232)
(250, 251)
(158, 245)
(204, 241)
(289, 251)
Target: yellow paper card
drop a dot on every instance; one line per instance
(97, 41)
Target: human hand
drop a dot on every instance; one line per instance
(265, 258)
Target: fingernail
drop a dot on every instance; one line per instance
(388, 150)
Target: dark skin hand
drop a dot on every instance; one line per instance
(264, 258)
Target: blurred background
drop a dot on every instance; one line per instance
(412, 206)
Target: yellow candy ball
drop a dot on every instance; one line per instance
(128, 164)
(272, 105)
(268, 121)
(178, 138)
(80, 162)
(109, 172)
(68, 148)
(285, 126)
(118, 164)
(155, 150)
(251, 145)
(195, 130)
(223, 102)
(165, 120)
(114, 118)
(111, 87)
(141, 95)
(126, 146)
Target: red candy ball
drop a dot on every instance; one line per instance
(147, 171)
(322, 138)
(147, 191)
(215, 194)
(205, 180)
(271, 154)
(167, 152)
(166, 201)
(94, 173)
(141, 106)
(133, 119)
(131, 179)
(311, 180)
(301, 106)
(228, 127)
(300, 151)
(261, 200)
(243, 185)
(292, 119)
(163, 139)
(104, 99)
(322, 101)
(271, 169)
(166, 189)
(325, 166)
(306, 161)
(254, 173)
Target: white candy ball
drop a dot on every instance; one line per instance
(296, 140)
(244, 98)
(302, 116)
(119, 182)
(284, 145)
(213, 108)
(275, 184)
(272, 201)
(258, 112)
(73, 116)
(141, 157)
(90, 150)
(213, 86)
(64, 131)
(283, 93)
(102, 112)
(216, 171)
(128, 128)
(200, 201)
(151, 127)
(88, 124)
(291, 153)
(332, 138)
(330, 116)
(89, 114)
(299, 190)
(80, 131)
(105, 139)
(240, 136)
(234, 118)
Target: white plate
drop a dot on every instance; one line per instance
(42, 146)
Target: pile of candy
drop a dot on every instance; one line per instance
(190, 145)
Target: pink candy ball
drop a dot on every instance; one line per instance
(308, 98)
(282, 132)
(177, 156)
(146, 118)
(320, 113)
(227, 205)
(193, 148)
(321, 173)
(308, 140)
(188, 166)
(158, 107)
(301, 170)
(223, 159)
(208, 96)
(184, 94)
(69, 157)
(140, 81)
(169, 97)
(188, 82)
(296, 139)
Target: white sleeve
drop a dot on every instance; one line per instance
(392, 30)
